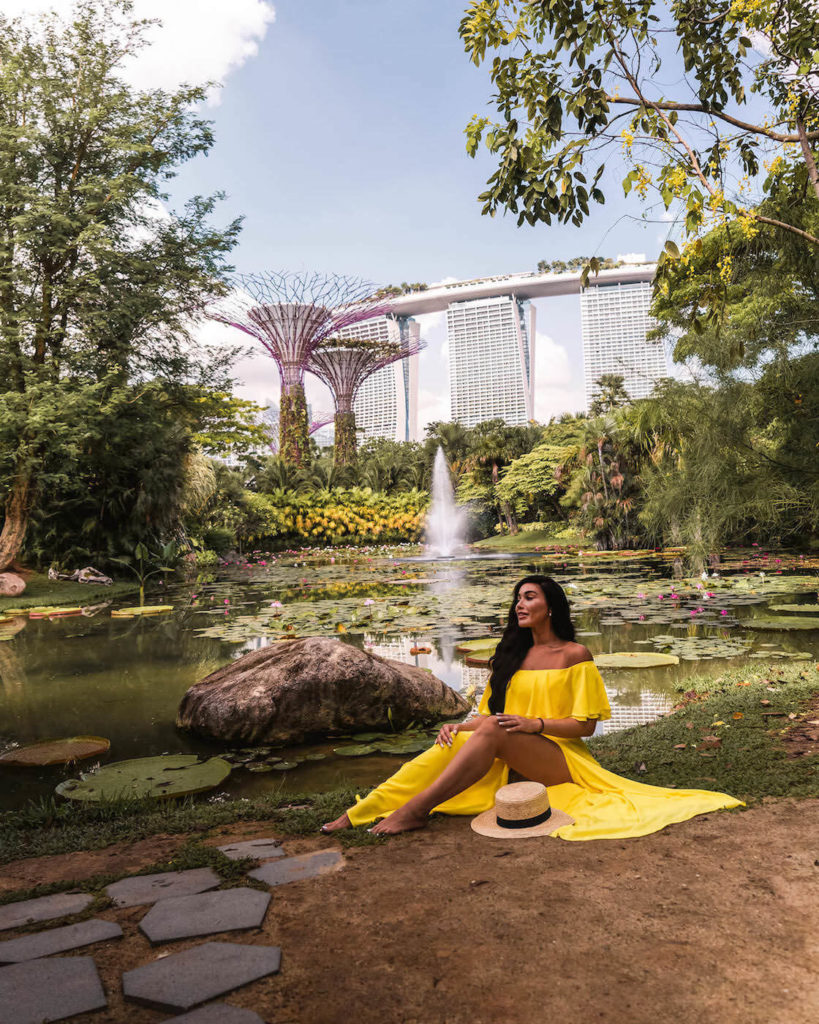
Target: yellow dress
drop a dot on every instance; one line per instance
(603, 805)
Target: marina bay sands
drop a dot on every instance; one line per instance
(491, 334)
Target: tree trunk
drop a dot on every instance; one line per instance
(15, 522)
(344, 446)
(294, 445)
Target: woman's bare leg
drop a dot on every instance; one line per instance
(536, 757)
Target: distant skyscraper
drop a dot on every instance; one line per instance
(491, 360)
(387, 403)
(615, 321)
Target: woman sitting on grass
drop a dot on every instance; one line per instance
(543, 697)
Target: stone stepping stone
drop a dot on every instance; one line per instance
(184, 980)
(294, 869)
(189, 917)
(49, 990)
(58, 940)
(132, 892)
(46, 908)
(259, 849)
(217, 1013)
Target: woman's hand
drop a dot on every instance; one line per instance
(446, 735)
(517, 723)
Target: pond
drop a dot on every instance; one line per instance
(123, 678)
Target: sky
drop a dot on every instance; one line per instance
(339, 129)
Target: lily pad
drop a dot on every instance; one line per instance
(51, 613)
(485, 643)
(635, 659)
(359, 750)
(784, 622)
(173, 775)
(480, 658)
(146, 609)
(799, 609)
(58, 751)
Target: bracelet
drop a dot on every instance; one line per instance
(542, 724)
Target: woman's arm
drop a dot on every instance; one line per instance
(565, 728)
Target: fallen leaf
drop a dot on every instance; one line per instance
(641, 767)
(478, 881)
(791, 716)
(718, 723)
(689, 725)
(680, 746)
(737, 715)
(709, 743)
(765, 703)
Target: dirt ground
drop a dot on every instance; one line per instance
(716, 919)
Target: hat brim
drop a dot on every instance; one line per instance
(486, 824)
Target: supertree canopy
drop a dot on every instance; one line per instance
(343, 364)
(292, 315)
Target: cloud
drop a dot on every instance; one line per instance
(558, 388)
(432, 406)
(199, 40)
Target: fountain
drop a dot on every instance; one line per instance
(444, 520)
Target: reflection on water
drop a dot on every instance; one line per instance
(123, 679)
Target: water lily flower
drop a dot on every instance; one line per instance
(723, 611)
(704, 574)
(659, 597)
(227, 600)
(641, 595)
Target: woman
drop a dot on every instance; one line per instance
(544, 695)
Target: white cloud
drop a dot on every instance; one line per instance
(558, 388)
(198, 41)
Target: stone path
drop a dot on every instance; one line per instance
(208, 913)
(38, 987)
(132, 892)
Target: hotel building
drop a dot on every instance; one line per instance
(387, 402)
(615, 320)
(491, 360)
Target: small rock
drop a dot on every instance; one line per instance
(11, 585)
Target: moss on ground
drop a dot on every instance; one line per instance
(726, 735)
(41, 591)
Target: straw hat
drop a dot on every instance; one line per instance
(521, 810)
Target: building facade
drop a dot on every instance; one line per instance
(615, 320)
(387, 402)
(491, 360)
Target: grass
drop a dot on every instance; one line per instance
(528, 540)
(40, 590)
(52, 827)
(750, 762)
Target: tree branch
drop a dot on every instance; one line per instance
(701, 108)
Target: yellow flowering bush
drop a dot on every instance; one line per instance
(356, 516)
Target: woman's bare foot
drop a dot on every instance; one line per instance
(402, 820)
(334, 826)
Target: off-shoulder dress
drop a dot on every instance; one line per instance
(603, 805)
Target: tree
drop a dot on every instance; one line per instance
(611, 394)
(739, 300)
(578, 80)
(98, 285)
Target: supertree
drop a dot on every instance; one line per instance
(343, 364)
(291, 315)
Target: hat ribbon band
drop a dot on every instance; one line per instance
(538, 819)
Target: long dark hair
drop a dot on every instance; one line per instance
(517, 640)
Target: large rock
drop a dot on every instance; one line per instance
(11, 585)
(299, 688)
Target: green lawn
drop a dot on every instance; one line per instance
(40, 590)
(525, 541)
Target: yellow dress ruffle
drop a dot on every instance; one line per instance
(603, 805)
